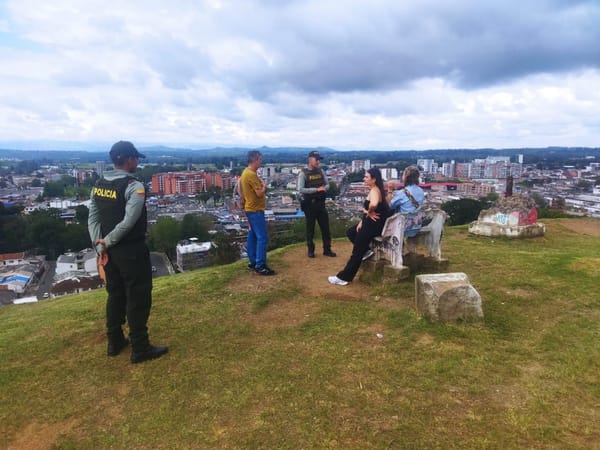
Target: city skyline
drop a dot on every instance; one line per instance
(383, 75)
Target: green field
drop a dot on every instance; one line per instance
(280, 363)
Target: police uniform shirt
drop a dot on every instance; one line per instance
(303, 190)
(135, 197)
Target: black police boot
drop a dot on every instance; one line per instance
(151, 352)
(116, 346)
(329, 252)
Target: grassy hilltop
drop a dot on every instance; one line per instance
(290, 362)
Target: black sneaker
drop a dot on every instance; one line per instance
(251, 266)
(264, 270)
(329, 253)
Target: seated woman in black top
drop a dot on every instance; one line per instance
(375, 210)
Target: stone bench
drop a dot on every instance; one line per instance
(447, 297)
(390, 245)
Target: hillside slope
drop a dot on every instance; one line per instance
(292, 362)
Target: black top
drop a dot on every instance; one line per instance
(382, 209)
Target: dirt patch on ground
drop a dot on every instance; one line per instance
(588, 226)
(305, 283)
(41, 436)
(518, 292)
(589, 265)
(308, 275)
(425, 340)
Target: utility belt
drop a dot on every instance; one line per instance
(308, 201)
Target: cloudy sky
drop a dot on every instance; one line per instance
(346, 74)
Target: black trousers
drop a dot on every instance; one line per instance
(315, 211)
(361, 240)
(129, 287)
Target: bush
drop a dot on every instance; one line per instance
(546, 213)
(464, 210)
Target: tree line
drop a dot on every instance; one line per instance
(44, 231)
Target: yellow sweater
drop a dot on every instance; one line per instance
(249, 182)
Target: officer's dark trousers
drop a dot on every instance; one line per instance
(361, 240)
(315, 211)
(129, 287)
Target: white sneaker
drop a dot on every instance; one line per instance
(368, 254)
(335, 280)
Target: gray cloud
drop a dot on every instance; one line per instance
(173, 60)
(376, 73)
(471, 44)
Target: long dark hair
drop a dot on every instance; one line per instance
(376, 175)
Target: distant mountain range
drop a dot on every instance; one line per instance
(54, 152)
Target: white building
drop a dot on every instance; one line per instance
(269, 171)
(448, 169)
(84, 261)
(17, 271)
(361, 164)
(192, 254)
(590, 204)
(12, 259)
(23, 300)
(428, 166)
(18, 279)
(100, 168)
(389, 173)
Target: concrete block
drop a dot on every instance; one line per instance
(447, 297)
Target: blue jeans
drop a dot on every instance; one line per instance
(257, 238)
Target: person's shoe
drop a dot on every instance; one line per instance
(114, 348)
(330, 253)
(311, 253)
(368, 254)
(151, 352)
(251, 266)
(264, 270)
(335, 280)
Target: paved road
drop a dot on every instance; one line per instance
(45, 282)
(160, 263)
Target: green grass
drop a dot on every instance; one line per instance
(270, 367)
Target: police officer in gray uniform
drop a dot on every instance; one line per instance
(312, 186)
(117, 226)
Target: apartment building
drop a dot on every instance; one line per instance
(189, 182)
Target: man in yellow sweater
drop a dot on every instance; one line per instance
(255, 201)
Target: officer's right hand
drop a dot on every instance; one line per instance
(103, 258)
